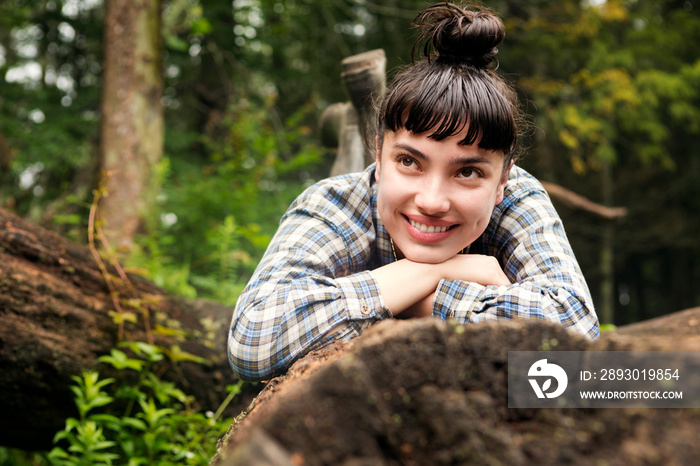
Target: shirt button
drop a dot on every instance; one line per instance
(365, 309)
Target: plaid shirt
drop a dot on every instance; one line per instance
(314, 285)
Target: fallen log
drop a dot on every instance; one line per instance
(424, 391)
(57, 316)
(679, 324)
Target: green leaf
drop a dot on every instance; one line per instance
(164, 391)
(58, 453)
(73, 219)
(119, 360)
(124, 316)
(176, 354)
(201, 26)
(104, 445)
(61, 435)
(175, 43)
(135, 423)
(151, 414)
(170, 332)
(152, 353)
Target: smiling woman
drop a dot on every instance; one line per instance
(442, 224)
(435, 197)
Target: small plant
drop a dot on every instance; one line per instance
(88, 444)
(151, 422)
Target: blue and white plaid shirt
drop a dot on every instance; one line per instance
(314, 285)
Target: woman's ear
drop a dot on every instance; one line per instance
(502, 183)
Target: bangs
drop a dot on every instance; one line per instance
(444, 103)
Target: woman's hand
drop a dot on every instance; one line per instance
(475, 268)
(409, 287)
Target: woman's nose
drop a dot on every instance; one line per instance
(432, 198)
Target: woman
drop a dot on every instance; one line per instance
(443, 224)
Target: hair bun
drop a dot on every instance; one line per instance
(470, 34)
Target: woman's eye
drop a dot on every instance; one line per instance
(468, 173)
(407, 162)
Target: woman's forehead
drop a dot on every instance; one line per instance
(450, 146)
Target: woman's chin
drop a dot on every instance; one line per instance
(429, 257)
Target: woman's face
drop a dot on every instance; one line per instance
(436, 197)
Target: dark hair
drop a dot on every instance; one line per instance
(455, 85)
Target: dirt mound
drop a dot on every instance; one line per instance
(426, 392)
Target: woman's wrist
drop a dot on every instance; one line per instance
(404, 283)
(475, 268)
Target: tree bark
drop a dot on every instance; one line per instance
(131, 143)
(56, 319)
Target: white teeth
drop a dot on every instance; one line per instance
(428, 229)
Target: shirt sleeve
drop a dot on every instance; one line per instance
(311, 287)
(527, 236)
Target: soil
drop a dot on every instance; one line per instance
(426, 392)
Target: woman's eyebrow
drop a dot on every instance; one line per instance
(414, 152)
(470, 160)
(474, 159)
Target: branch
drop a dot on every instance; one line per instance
(576, 201)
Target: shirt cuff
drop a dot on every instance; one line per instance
(362, 298)
(461, 300)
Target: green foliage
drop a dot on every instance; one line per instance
(606, 97)
(49, 64)
(217, 215)
(151, 422)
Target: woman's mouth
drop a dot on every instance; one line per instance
(428, 233)
(427, 228)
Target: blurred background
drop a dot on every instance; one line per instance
(227, 96)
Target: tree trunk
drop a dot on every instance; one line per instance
(606, 311)
(132, 114)
(56, 314)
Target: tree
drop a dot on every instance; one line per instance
(132, 128)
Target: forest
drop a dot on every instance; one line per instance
(185, 185)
